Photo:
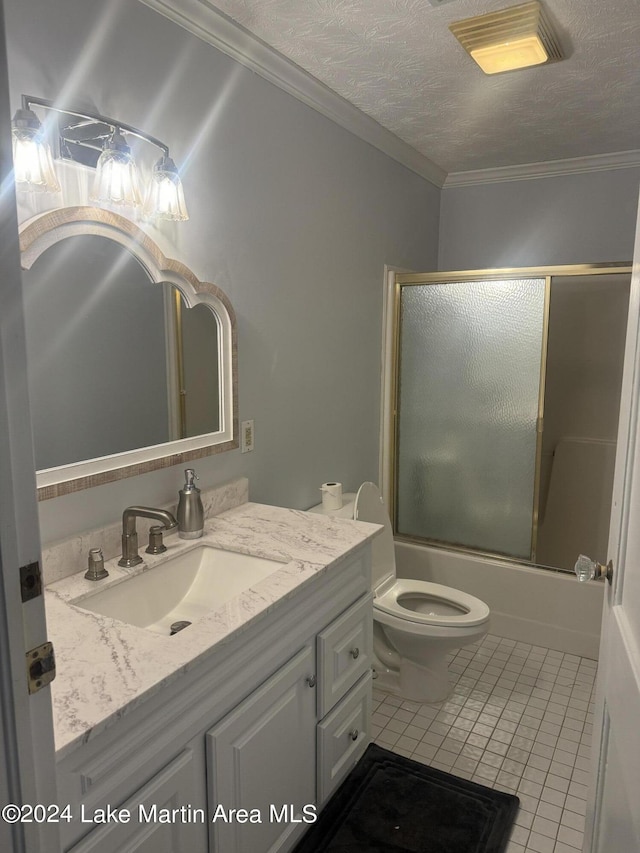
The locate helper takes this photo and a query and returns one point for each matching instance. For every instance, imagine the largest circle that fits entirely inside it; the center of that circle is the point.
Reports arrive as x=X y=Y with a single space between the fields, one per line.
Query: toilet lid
x=369 y=506
x=431 y=604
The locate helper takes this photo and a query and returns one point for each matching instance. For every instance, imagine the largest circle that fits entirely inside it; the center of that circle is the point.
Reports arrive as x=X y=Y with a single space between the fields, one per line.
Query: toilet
x=416 y=623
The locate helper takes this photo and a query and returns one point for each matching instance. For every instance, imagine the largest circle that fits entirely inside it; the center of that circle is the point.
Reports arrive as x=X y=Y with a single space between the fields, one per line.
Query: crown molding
x=206 y=22
x=550 y=169
x=203 y=20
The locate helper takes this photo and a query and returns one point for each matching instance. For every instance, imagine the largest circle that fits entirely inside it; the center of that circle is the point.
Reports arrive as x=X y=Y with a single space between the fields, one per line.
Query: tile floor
x=520 y=720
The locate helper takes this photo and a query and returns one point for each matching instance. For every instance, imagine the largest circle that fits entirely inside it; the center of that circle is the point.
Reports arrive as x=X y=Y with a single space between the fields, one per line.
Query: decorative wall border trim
x=212 y=26
x=550 y=169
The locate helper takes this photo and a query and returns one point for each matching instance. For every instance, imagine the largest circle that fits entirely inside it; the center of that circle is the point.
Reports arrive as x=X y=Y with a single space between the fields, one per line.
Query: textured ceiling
x=397 y=61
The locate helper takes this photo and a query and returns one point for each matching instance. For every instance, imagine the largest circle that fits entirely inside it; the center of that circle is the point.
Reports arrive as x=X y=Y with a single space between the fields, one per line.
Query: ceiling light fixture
x=518 y=37
x=102 y=144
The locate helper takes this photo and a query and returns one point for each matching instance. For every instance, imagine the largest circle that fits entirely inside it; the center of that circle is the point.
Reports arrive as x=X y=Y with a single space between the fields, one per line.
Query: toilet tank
x=383 y=562
x=345 y=511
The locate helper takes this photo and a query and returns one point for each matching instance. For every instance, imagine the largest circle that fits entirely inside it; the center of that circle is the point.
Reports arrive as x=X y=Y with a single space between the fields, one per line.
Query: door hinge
x=30 y=581
x=41 y=667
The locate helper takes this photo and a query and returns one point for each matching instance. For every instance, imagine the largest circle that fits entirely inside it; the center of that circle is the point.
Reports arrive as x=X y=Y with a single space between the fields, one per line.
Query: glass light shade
x=116 y=180
x=516 y=53
x=165 y=198
x=32 y=159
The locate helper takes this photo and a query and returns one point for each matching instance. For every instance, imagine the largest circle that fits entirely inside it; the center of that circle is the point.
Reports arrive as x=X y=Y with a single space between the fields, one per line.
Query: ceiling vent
x=513 y=38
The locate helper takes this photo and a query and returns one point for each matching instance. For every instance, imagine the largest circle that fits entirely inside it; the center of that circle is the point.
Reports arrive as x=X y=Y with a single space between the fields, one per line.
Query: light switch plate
x=246 y=436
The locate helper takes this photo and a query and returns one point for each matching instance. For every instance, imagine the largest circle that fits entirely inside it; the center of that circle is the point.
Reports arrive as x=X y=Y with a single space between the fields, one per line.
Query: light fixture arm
x=28 y=101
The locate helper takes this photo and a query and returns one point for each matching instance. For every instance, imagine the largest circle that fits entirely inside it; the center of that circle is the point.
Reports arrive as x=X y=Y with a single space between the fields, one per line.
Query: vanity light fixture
x=116 y=180
x=32 y=159
x=100 y=143
x=518 y=37
x=165 y=194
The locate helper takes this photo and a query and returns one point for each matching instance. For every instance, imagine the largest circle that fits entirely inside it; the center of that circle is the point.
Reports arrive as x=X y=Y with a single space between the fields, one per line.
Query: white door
x=27 y=768
x=613 y=814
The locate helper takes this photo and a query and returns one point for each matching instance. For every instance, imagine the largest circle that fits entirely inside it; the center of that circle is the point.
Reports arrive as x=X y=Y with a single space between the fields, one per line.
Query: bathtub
x=529 y=605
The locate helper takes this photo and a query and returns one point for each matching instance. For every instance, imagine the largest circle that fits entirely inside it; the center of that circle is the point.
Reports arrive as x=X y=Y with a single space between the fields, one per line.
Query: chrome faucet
x=130 y=555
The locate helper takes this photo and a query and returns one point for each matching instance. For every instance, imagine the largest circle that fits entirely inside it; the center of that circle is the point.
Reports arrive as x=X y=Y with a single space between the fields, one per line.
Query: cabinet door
x=163 y=818
x=261 y=759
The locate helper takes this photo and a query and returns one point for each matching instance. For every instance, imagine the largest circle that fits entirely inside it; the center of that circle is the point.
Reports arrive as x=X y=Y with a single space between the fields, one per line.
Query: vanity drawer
x=344 y=653
x=343 y=736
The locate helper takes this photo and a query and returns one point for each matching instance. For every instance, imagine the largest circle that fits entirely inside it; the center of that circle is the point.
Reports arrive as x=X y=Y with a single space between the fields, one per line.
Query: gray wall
x=567 y=219
x=290 y=214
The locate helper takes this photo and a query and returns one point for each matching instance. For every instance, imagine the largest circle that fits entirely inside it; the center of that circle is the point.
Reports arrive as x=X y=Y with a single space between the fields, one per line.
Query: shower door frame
x=392 y=346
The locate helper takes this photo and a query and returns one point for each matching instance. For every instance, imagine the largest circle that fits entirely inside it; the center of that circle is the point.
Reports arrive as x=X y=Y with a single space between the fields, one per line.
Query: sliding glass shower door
x=469 y=376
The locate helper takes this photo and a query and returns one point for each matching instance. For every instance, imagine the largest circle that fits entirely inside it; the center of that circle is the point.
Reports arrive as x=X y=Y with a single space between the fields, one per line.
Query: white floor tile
x=519 y=719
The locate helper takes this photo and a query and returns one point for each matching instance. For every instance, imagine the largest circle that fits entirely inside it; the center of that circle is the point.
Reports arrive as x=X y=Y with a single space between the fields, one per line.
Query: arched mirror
x=132 y=361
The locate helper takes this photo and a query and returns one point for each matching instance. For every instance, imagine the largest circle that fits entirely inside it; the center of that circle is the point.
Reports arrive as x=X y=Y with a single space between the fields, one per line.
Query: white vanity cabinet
x=238 y=754
x=342 y=737
x=284 y=749
x=146 y=822
x=262 y=758
x=345 y=649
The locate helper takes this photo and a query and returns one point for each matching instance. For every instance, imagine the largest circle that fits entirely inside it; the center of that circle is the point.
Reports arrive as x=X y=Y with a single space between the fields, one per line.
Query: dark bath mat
x=391 y=804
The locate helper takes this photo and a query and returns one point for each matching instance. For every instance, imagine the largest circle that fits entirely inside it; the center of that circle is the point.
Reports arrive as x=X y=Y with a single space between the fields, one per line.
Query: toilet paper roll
x=331 y=495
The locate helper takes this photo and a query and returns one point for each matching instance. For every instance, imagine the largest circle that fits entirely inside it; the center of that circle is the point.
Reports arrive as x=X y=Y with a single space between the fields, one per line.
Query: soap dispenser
x=190 y=509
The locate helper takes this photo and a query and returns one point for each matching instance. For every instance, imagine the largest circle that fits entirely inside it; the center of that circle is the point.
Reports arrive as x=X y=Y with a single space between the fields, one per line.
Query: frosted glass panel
x=470 y=356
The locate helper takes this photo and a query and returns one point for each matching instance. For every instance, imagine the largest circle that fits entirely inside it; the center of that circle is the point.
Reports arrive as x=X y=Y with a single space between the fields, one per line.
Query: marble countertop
x=103 y=665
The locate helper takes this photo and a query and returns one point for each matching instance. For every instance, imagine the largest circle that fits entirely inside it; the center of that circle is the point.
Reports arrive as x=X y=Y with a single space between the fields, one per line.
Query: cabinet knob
x=354 y=734
x=312 y=680
x=355 y=653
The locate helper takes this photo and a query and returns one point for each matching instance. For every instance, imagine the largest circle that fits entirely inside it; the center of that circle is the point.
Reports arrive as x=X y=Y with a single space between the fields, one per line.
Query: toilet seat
x=440 y=604
x=416 y=624
x=425 y=603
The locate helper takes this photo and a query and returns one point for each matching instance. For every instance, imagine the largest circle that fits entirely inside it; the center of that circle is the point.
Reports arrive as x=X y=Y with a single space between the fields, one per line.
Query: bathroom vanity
x=229 y=735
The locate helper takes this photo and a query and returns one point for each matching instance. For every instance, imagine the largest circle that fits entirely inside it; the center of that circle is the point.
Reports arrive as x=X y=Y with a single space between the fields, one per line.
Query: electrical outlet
x=246 y=440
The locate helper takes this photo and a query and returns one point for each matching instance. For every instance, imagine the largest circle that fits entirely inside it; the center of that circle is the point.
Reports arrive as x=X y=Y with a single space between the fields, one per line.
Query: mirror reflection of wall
x=199 y=341
x=102 y=355
x=471 y=468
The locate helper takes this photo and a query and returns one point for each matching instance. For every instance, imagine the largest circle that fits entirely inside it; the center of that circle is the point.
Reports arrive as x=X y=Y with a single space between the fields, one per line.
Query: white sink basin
x=183 y=588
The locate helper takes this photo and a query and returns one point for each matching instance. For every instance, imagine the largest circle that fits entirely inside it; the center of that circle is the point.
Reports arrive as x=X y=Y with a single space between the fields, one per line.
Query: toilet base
x=427 y=685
